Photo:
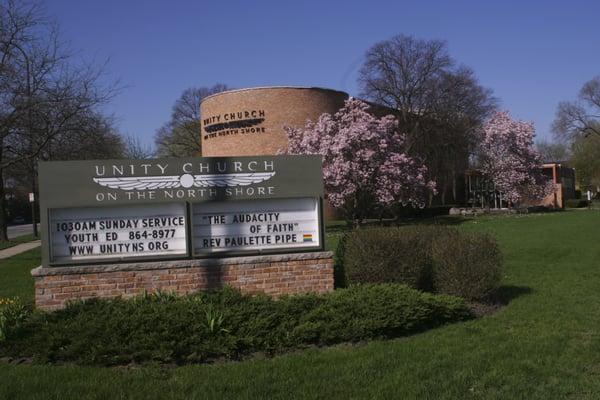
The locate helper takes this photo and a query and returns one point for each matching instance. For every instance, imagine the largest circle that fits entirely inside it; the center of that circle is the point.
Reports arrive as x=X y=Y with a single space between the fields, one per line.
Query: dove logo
x=184 y=181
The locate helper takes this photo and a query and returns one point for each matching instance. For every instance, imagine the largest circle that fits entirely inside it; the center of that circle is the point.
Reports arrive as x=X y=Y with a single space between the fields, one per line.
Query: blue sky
x=531 y=54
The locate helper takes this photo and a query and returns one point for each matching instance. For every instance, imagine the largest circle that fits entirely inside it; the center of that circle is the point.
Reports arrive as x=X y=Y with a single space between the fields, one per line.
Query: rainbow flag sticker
x=307 y=237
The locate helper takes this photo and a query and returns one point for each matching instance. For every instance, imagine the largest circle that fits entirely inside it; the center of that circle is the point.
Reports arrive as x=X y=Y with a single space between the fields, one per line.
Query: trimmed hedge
x=466 y=264
x=225 y=324
x=425 y=257
x=405 y=212
x=379 y=255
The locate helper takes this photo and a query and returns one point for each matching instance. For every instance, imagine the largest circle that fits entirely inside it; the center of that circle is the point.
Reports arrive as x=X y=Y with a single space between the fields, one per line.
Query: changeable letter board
x=256 y=225
x=118 y=232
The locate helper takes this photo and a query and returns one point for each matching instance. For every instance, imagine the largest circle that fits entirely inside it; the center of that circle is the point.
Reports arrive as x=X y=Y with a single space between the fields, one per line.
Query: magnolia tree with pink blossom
x=509 y=160
x=364 y=164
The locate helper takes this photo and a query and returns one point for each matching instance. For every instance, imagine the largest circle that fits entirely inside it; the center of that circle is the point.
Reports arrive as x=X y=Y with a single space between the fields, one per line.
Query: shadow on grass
x=508 y=293
x=503 y=296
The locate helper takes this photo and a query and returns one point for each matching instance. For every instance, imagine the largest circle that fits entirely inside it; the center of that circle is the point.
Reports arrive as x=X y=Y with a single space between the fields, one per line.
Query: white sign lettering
x=252 y=225
x=117 y=232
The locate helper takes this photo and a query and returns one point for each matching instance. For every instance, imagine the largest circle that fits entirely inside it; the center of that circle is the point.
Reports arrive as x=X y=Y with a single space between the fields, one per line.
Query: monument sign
x=128 y=210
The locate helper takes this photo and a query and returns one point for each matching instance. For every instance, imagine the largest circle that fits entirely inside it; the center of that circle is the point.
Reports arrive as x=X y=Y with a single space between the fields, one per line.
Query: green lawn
x=15 y=279
x=17 y=240
x=545 y=344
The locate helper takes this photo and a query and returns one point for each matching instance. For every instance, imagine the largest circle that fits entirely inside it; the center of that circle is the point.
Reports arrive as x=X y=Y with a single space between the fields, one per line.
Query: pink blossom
x=510 y=161
x=363 y=158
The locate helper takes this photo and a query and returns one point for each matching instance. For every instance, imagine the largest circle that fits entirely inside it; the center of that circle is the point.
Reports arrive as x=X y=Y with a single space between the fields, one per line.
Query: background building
x=251 y=122
x=563 y=178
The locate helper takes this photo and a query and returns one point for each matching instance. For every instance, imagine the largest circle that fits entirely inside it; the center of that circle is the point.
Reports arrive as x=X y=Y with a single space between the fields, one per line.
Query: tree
x=44 y=99
x=135 y=149
x=509 y=160
x=91 y=135
x=552 y=151
x=440 y=106
x=180 y=137
x=580 y=118
x=586 y=161
x=401 y=73
x=95 y=138
x=364 y=164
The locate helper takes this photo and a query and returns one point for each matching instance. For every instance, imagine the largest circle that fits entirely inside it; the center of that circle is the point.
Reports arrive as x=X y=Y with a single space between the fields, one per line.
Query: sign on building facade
x=132 y=210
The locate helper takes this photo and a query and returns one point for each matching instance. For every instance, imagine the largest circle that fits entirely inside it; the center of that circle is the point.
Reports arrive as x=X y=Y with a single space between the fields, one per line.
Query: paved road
x=20 y=230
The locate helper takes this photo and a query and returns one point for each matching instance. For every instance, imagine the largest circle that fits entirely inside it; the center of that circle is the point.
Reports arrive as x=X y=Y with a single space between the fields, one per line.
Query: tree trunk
x=443 y=196
x=35 y=197
x=454 y=188
x=444 y=191
x=3 y=219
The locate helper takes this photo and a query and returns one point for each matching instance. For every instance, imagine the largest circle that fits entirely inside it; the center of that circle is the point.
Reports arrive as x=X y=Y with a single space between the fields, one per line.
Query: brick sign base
x=275 y=275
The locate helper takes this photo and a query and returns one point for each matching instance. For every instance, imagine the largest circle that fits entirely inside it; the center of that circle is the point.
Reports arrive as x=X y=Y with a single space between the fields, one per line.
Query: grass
x=15 y=276
x=545 y=344
x=17 y=240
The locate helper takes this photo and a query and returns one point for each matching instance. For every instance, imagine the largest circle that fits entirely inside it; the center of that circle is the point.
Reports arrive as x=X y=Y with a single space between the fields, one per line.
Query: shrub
x=426 y=257
x=401 y=255
x=13 y=313
x=466 y=264
x=409 y=211
x=370 y=311
x=339 y=272
x=575 y=203
x=225 y=324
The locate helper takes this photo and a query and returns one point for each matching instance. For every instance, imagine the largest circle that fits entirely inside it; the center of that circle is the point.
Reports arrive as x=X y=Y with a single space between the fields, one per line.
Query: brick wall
x=274 y=274
x=283 y=106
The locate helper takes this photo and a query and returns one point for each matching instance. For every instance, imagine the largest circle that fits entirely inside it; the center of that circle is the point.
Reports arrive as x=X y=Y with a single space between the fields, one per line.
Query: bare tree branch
x=46 y=97
x=180 y=137
x=440 y=106
x=577 y=119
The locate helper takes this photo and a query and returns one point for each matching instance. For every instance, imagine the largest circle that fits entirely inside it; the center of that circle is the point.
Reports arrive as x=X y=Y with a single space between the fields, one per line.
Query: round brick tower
x=249 y=122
